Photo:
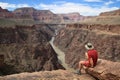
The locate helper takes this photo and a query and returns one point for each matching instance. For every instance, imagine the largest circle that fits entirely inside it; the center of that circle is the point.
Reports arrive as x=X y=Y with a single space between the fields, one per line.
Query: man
x=91 y=58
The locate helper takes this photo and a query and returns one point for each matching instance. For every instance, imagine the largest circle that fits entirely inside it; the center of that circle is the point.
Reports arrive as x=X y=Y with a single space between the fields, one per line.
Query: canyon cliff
x=38 y=15
x=27 y=48
x=4 y=13
x=48 y=75
x=71 y=17
x=111 y=13
x=105 y=18
x=105 y=38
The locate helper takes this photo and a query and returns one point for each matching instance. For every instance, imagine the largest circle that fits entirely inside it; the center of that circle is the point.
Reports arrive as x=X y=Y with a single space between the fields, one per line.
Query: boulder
x=106 y=70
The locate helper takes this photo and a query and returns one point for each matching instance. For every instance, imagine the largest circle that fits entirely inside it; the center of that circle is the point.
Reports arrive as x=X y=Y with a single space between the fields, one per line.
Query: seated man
x=91 y=58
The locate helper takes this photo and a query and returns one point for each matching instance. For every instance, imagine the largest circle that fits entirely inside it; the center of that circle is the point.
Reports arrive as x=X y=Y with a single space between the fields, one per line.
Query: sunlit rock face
x=4 y=13
x=111 y=13
x=48 y=75
x=106 y=70
x=38 y=15
x=73 y=38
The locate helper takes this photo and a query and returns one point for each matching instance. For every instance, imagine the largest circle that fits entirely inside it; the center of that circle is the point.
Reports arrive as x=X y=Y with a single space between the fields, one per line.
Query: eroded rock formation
x=106 y=70
x=48 y=75
x=27 y=48
x=4 y=13
x=111 y=13
x=72 y=41
x=30 y=14
x=38 y=15
x=71 y=17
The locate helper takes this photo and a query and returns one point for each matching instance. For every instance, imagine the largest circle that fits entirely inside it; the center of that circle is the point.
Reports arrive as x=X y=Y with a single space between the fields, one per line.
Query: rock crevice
x=27 y=48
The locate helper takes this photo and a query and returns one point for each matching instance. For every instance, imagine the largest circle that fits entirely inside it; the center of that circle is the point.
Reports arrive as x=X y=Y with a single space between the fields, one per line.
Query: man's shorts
x=86 y=63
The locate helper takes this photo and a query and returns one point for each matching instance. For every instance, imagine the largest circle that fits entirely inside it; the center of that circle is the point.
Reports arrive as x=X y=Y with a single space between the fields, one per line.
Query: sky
x=84 y=7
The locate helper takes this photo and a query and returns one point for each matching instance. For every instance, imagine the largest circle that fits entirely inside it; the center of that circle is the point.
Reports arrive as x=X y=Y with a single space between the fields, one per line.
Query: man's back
x=94 y=55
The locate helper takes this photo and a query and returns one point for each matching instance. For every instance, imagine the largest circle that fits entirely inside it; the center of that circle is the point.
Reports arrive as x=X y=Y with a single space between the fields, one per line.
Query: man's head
x=89 y=46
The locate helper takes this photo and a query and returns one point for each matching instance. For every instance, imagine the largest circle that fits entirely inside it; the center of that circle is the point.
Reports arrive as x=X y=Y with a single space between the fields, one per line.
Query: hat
x=89 y=46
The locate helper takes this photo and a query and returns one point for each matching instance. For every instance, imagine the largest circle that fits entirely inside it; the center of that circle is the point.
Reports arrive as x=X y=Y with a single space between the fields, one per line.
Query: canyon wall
x=4 y=13
x=105 y=38
x=45 y=16
x=31 y=15
x=27 y=48
x=111 y=13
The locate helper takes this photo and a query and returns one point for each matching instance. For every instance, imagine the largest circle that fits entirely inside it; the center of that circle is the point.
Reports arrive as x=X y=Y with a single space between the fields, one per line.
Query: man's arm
x=86 y=55
x=91 y=62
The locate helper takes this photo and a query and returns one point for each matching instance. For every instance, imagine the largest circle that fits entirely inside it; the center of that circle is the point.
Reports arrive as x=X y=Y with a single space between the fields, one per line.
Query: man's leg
x=81 y=65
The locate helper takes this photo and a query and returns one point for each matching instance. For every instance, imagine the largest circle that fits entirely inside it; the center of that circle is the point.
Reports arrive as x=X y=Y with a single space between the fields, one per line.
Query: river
x=61 y=56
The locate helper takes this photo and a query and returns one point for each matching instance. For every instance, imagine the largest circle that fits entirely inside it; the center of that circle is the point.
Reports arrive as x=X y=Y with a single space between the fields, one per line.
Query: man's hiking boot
x=78 y=72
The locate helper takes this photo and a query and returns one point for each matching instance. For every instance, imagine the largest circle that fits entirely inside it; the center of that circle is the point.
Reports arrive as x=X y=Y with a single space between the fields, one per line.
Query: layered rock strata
x=106 y=70
x=72 y=40
x=27 y=48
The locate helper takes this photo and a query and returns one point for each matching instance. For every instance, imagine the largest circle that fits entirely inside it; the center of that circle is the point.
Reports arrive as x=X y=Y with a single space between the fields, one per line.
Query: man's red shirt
x=94 y=55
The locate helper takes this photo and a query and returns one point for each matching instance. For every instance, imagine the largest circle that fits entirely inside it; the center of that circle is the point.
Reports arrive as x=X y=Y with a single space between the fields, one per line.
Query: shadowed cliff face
x=27 y=48
x=72 y=41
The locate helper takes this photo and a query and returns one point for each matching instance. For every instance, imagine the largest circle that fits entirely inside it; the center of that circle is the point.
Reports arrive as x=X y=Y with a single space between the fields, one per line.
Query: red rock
x=27 y=49
x=4 y=13
x=48 y=75
x=111 y=13
x=106 y=70
x=38 y=15
x=72 y=39
x=71 y=17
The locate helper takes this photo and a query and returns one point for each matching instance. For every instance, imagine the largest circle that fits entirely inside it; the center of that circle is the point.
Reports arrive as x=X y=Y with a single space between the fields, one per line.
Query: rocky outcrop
x=107 y=27
x=24 y=13
x=30 y=14
x=26 y=34
x=3 y=10
x=4 y=13
x=111 y=13
x=37 y=15
x=105 y=18
x=27 y=48
x=106 y=70
x=71 y=17
x=48 y=75
x=72 y=41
